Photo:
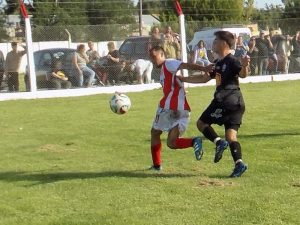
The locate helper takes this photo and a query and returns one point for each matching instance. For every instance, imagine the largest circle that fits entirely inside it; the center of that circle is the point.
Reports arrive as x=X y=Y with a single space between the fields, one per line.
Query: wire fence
x=107 y=55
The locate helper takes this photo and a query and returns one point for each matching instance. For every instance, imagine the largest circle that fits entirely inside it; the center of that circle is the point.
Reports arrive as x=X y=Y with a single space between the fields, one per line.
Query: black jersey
x=227 y=72
x=228 y=105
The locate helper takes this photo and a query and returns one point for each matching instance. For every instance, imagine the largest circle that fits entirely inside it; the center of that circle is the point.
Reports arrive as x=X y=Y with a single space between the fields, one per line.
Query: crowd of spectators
x=269 y=53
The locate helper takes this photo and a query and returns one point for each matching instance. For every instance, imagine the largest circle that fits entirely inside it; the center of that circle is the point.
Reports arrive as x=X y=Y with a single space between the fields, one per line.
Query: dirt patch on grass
x=215 y=182
x=57 y=148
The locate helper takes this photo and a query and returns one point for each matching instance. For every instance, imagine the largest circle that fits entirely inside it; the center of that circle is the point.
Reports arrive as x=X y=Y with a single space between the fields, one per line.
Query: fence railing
x=55 y=53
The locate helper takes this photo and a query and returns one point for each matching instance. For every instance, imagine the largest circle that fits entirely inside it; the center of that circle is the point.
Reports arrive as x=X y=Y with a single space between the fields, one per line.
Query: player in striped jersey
x=173 y=111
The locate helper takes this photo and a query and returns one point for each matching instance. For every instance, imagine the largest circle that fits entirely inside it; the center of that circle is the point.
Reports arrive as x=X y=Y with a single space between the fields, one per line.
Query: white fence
x=130 y=88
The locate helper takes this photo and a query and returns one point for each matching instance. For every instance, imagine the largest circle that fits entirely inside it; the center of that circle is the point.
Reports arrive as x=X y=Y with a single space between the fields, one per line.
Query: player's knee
x=155 y=133
x=200 y=125
x=171 y=144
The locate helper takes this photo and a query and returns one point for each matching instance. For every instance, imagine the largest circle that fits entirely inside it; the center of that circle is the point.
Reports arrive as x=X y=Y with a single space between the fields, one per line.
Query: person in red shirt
x=173 y=111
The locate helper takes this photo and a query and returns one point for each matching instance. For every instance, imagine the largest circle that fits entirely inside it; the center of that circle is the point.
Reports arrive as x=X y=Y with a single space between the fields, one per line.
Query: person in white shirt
x=143 y=68
x=200 y=54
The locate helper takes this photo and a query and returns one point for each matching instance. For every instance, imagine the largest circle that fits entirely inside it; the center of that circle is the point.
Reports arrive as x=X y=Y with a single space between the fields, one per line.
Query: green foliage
x=49 y=14
x=52 y=19
x=3 y=31
x=12 y=7
x=72 y=161
x=81 y=33
x=268 y=17
x=199 y=10
x=83 y=12
x=111 y=12
x=291 y=16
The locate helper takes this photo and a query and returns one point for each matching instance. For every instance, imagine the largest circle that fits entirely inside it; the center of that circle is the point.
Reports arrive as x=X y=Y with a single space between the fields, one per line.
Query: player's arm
x=191 y=66
x=203 y=78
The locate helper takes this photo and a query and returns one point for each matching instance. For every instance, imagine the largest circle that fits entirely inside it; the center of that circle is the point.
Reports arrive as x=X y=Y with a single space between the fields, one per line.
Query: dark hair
x=55 y=61
x=226 y=36
x=80 y=47
x=157 y=48
x=201 y=41
x=153 y=28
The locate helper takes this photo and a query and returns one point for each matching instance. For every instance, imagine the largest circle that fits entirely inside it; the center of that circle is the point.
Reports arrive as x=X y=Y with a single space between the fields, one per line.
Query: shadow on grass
x=48 y=177
x=266 y=135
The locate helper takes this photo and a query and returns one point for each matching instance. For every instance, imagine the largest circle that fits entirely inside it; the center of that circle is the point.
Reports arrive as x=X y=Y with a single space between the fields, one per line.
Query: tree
x=291 y=16
x=269 y=17
x=198 y=10
x=116 y=16
x=111 y=12
x=3 y=27
x=12 y=7
x=62 y=12
x=198 y=13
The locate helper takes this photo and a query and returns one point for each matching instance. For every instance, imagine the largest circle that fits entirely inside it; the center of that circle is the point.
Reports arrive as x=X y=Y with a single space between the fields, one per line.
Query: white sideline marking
x=129 y=88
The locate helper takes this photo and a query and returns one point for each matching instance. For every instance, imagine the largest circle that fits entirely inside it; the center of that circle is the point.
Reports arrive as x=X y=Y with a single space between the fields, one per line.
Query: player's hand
x=209 y=68
x=245 y=61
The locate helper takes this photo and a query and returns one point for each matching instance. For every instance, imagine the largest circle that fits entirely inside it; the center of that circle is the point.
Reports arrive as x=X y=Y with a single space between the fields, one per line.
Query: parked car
x=207 y=35
x=43 y=61
x=134 y=48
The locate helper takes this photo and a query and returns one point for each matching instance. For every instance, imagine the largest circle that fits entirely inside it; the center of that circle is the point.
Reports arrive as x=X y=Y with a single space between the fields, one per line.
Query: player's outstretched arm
x=203 y=78
x=192 y=66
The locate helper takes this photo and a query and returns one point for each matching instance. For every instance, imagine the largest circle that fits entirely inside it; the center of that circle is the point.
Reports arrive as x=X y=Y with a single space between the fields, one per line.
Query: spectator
x=171 y=44
x=282 y=47
x=200 y=54
x=57 y=77
x=92 y=54
x=2 y=67
x=263 y=53
x=85 y=74
x=143 y=68
x=272 y=66
x=253 y=54
x=94 y=64
x=295 y=54
x=155 y=38
x=240 y=48
x=12 y=66
x=114 y=65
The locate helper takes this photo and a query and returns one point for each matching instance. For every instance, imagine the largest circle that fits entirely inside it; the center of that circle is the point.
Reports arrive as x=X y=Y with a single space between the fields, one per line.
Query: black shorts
x=227 y=108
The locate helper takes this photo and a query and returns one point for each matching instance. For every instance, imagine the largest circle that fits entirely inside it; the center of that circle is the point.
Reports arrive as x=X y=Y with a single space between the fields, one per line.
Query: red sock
x=184 y=142
x=155 y=151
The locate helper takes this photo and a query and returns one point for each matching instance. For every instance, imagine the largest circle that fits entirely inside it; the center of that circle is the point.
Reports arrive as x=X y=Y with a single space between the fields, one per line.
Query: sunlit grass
x=72 y=161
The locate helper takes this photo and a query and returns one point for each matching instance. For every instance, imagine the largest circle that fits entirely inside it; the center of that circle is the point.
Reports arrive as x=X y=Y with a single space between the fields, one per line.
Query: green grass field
x=71 y=161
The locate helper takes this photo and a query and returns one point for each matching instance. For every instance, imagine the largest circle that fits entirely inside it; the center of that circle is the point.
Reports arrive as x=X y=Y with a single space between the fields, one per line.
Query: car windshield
x=58 y=55
x=126 y=48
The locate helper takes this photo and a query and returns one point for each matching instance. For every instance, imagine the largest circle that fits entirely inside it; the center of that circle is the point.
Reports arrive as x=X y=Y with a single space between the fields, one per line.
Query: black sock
x=210 y=133
x=236 y=150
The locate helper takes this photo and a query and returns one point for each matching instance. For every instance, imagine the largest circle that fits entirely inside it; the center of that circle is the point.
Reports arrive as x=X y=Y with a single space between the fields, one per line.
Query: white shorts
x=166 y=119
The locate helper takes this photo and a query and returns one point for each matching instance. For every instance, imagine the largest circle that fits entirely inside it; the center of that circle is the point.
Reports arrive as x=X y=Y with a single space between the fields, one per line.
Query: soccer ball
x=120 y=103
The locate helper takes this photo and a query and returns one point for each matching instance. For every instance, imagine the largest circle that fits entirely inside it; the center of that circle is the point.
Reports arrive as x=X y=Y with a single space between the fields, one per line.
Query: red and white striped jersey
x=173 y=89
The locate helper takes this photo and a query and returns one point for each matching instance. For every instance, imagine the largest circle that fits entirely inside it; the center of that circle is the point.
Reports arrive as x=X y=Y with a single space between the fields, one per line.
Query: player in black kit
x=227 y=107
